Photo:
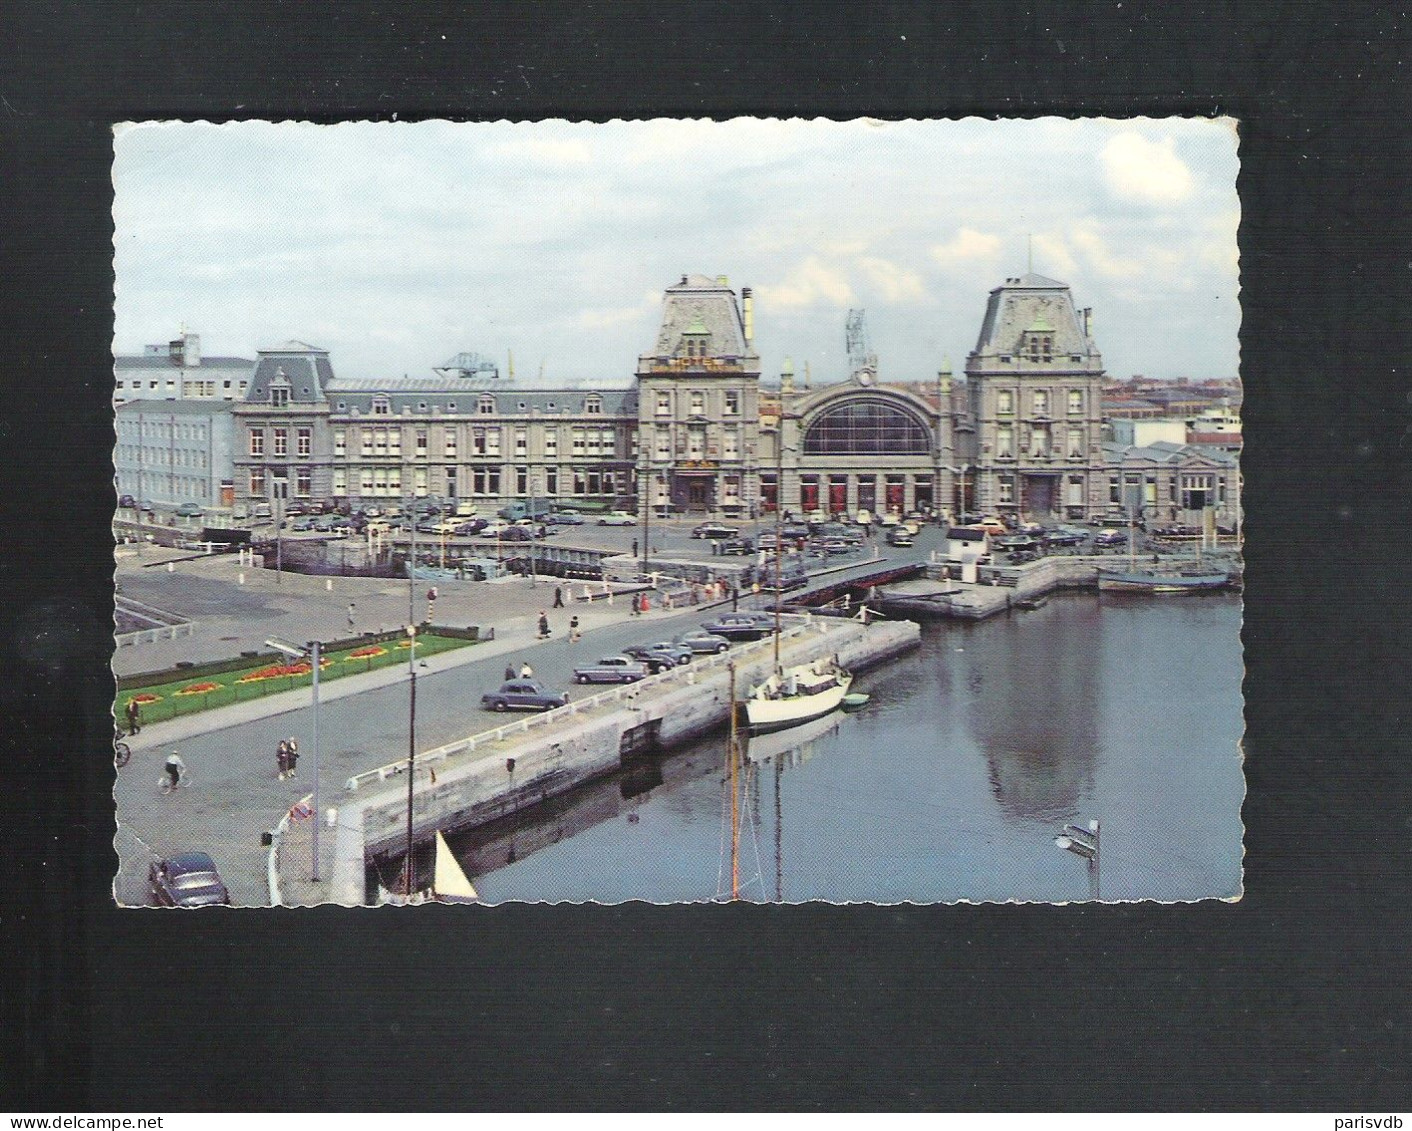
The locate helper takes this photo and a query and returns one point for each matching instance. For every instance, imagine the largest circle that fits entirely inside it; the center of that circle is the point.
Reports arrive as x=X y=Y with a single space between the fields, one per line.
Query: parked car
x=679 y=653
x=1065 y=536
x=899 y=536
x=303 y=522
x=495 y=528
x=188 y=879
x=1110 y=538
x=841 y=530
x=564 y=518
x=517 y=534
x=514 y=512
x=767 y=541
x=831 y=547
x=738 y=546
x=714 y=530
x=472 y=526
x=127 y=501
x=522 y=695
x=795 y=530
x=618 y=518
x=1017 y=543
x=612 y=669
x=656 y=659
x=189 y=510
x=739 y=626
x=701 y=641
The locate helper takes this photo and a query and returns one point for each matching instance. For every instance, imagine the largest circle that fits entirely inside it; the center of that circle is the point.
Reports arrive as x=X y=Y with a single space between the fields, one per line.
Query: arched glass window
x=866 y=427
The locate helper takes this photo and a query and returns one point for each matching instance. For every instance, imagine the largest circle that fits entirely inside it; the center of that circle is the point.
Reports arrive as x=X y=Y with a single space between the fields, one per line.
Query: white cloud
x=812 y=283
x=968 y=247
x=895 y=283
x=1145 y=172
x=556 y=152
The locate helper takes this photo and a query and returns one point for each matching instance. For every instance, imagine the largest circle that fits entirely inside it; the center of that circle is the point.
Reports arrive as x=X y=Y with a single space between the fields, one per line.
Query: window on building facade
x=257 y=441
x=1039 y=443
x=382 y=406
x=664 y=443
x=492 y=441
x=522 y=481
x=695 y=443
x=1005 y=403
x=866 y=427
x=551 y=480
x=367 y=441
x=257 y=482
x=1198 y=491
x=1041 y=402
x=340 y=443
x=486 y=406
x=521 y=443
x=303 y=482
x=420 y=444
x=380 y=442
x=478 y=441
x=732 y=402
x=1076 y=443
x=1149 y=491
x=595 y=441
x=394 y=443
x=577 y=438
x=698 y=403
x=1076 y=402
x=1075 y=494
x=593 y=406
x=1005 y=443
x=664 y=404
x=279 y=395
x=281 y=441
x=448 y=443
x=730 y=490
x=1005 y=489
x=419 y=480
x=365 y=481
x=1115 y=491
x=730 y=444
x=340 y=481
x=551 y=443
x=304 y=442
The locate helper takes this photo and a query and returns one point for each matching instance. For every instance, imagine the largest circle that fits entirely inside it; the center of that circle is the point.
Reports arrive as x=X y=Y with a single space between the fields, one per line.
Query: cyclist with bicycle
x=175 y=769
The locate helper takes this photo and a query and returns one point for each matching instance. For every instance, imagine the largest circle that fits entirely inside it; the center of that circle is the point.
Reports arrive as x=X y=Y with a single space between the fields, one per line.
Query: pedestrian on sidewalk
x=282 y=759
x=134 y=711
x=509 y=672
x=558 y=597
x=574 y=632
x=526 y=672
x=350 y=616
x=543 y=625
x=634 y=547
x=293 y=756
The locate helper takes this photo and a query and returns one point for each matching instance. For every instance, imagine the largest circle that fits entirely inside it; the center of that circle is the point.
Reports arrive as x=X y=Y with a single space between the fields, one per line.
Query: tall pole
x=533 y=519
x=318 y=813
x=647 y=514
x=779 y=530
x=411 y=751
x=412 y=565
x=732 y=753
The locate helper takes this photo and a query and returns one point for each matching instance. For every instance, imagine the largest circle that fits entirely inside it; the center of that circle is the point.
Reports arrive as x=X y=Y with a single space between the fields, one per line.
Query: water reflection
x=1033 y=701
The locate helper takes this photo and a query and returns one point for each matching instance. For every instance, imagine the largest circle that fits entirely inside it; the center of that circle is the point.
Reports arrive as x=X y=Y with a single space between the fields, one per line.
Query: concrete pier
x=495 y=773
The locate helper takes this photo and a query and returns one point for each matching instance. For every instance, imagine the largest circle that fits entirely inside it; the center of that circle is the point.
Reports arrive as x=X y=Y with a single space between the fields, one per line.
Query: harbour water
x=951 y=784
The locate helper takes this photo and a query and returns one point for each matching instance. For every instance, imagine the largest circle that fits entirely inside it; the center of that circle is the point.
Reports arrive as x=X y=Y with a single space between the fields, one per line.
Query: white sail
x=449 y=883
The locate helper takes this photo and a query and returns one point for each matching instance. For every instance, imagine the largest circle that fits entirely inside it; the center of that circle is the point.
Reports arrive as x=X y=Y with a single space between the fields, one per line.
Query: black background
x=1295 y=997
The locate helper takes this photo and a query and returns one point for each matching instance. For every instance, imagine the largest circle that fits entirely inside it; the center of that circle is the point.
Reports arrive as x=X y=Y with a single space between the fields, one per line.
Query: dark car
x=842 y=530
x=303 y=522
x=189 y=510
x=677 y=653
x=832 y=546
x=714 y=530
x=472 y=526
x=795 y=530
x=517 y=534
x=188 y=879
x=1064 y=536
x=899 y=536
x=737 y=546
x=701 y=641
x=1110 y=538
x=655 y=659
x=1017 y=543
x=612 y=669
x=740 y=626
x=522 y=695
x=127 y=501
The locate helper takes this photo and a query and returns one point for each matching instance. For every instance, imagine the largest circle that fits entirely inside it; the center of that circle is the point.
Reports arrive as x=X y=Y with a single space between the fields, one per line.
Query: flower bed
x=367 y=653
x=145 y=697
x=203 y=688
x=282 y=671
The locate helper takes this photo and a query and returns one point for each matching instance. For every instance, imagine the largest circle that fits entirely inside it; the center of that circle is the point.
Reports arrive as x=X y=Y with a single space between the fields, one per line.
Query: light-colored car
x=612 y=669
x=618 y=518
x=522 y=695
x=496 y=528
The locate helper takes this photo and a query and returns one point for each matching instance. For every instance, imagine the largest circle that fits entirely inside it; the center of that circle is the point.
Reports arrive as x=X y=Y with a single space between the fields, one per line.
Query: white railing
x=686 y=673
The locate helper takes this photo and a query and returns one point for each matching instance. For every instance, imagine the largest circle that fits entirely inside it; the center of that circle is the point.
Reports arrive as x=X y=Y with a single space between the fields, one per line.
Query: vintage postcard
x=677 y=511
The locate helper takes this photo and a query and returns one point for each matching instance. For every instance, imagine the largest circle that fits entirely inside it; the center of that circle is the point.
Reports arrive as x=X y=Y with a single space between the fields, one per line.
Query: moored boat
x=1161 y=581
x=796 y=695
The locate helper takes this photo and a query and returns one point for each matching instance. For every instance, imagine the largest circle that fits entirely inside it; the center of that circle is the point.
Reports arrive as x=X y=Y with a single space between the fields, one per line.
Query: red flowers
x=199 y=688
x=367 y=653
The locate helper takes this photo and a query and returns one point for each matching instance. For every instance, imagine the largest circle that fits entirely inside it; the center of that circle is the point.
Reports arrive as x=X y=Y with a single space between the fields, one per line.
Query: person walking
x=558 y=597
x=174 y=768
x=350 y=616
x=526 y=672
x=134 y=712
x=634 y=547
x=574 y=632
x=509 y=672
x=543 y=625
x=282 y=759
x=293 y=756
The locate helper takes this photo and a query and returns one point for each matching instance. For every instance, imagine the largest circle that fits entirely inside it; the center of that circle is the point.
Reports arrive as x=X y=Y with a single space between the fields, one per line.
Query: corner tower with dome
x=1035 y=381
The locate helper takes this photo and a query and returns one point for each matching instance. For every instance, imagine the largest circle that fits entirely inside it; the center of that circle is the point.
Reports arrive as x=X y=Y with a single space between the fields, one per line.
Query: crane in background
x=470 y=367
x=861 y=358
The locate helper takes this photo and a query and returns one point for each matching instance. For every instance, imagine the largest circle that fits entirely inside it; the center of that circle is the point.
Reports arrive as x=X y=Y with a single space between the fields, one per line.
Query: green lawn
x=169 y=701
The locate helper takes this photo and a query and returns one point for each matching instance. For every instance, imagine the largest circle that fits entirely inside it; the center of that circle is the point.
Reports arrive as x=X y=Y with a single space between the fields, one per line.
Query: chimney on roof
x=747 y=302
x=191 y=350
x=683 y=281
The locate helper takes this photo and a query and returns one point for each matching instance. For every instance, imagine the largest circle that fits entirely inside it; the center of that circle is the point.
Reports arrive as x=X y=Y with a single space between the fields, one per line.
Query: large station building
x=697 y=431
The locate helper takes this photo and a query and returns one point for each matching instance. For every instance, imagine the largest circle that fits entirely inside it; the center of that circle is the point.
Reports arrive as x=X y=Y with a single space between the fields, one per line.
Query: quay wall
x=529 y=760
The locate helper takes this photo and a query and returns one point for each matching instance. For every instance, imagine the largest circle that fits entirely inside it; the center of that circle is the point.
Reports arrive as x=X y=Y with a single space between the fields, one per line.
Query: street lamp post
x=311 y=650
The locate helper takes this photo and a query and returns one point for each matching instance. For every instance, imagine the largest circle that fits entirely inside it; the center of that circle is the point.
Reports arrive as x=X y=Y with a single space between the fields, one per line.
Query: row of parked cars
x=636 y=662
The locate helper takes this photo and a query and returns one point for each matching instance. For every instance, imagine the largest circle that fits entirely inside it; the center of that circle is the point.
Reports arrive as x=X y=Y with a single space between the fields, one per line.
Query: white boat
x=449 y=883
x=777 y=744
x=796 y=695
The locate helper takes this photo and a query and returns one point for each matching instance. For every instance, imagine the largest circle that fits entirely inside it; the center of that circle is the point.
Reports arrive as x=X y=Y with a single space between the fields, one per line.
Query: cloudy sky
x=396 y=246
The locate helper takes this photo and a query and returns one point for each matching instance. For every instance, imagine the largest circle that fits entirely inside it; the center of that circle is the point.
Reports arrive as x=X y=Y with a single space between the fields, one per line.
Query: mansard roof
x=696 y=305
x=305 y=367
x=439 y=394
x=1034 y=303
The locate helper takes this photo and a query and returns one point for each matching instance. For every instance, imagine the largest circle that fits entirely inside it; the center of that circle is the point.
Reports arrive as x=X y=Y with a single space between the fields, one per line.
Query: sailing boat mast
x=733 y=757
x=779 y=529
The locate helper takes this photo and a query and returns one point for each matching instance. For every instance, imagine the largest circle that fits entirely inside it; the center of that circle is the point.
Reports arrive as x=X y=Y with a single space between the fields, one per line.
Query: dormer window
x=486 y=407
x=695 y=340
x=593 y=406
x=279 y=389
x=382 y=405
